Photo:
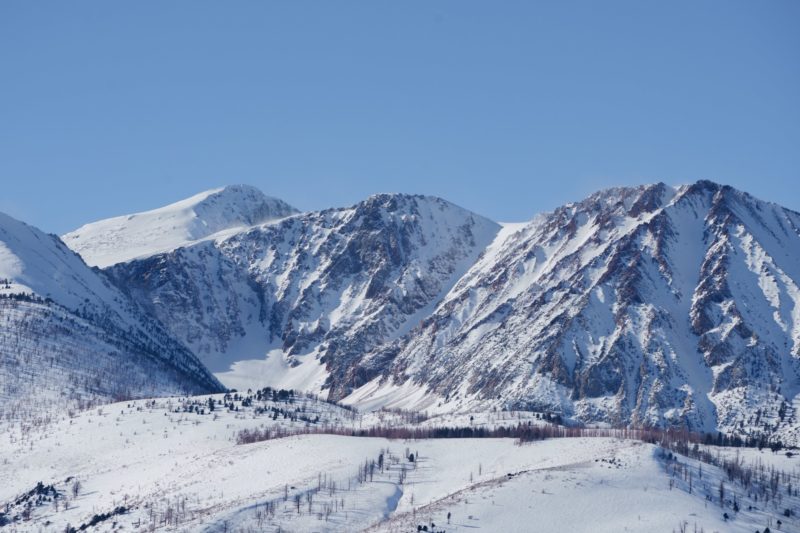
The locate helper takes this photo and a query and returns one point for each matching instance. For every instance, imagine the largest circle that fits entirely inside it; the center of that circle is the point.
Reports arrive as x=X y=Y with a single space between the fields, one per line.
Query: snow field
x=175 y=469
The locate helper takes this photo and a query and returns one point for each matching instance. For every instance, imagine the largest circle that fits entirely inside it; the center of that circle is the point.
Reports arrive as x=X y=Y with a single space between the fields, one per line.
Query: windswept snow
x=119 y=239
x=651 y=305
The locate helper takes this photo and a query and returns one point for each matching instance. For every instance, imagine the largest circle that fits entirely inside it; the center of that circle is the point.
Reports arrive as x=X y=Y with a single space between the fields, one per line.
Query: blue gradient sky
x=506 y=108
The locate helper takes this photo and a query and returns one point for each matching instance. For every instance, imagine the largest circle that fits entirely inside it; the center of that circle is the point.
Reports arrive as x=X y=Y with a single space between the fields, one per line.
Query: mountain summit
x=115 y=240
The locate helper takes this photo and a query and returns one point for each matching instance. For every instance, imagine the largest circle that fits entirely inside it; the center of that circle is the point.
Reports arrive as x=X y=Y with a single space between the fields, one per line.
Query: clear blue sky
x=506 y=108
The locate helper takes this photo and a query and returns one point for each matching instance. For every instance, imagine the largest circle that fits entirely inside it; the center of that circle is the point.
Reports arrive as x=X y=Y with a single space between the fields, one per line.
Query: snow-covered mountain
x=317 y=291
x=69 y=336
x=123 y=238
x=648 y=305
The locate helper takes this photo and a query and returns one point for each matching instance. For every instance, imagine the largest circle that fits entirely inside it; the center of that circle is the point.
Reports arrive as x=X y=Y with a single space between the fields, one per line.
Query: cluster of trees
x=275 y=403
x=21 y=508
x=167 y=513
x=684 y=437
x=758 y=484
x=25 y=297
x=96 y=519
x=276 y=395
x=526 y=432
x=758 y=440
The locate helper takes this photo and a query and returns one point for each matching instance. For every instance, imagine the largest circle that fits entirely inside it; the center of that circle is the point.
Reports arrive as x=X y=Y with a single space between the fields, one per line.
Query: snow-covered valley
x=172 y=464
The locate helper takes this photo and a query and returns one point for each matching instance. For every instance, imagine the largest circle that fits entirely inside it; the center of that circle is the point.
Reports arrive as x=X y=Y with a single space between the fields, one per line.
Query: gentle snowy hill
x=173 y=465
x=299 y=302
x=647 y=305
x=123 y=238
x=69 y=336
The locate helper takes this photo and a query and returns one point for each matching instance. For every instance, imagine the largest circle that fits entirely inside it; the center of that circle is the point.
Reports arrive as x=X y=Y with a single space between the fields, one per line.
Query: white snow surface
x=123 y=238
x=179 y=470
x=264 y=306
x=40 y=264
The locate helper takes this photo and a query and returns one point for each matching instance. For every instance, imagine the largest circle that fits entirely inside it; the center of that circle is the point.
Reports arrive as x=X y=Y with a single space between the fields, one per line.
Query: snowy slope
x=175 y=469
x=299 y=301
x=69 y=336
x=123 y=238
x=648 y=305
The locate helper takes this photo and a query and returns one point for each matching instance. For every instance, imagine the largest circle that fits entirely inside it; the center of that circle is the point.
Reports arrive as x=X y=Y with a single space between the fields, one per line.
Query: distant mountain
x=69 y=336
x=123 y=238
x=651 y=305
x=317 y=291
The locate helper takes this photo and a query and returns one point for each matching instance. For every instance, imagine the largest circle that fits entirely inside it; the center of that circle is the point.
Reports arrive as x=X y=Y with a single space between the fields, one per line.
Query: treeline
x=25 y=297
x=522 y=432
x=288 y=404
x=280 y=395
x=683 y=438
x=677 y=439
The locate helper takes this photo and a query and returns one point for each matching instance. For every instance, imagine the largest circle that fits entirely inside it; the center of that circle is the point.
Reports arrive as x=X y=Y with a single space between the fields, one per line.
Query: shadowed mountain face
x=650 y=305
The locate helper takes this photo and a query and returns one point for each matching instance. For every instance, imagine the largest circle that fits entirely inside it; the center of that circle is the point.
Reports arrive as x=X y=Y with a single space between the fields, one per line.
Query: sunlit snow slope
x=647 y=305
x=123 y=238
x=166 y=465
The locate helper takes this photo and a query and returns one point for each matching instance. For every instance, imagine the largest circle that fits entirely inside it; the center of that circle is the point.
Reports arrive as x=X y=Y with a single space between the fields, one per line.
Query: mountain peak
x=392 y=200
x=114 y=240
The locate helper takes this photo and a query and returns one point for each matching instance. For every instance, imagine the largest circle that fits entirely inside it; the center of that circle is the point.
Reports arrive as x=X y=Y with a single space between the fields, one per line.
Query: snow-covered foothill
x=175 y=464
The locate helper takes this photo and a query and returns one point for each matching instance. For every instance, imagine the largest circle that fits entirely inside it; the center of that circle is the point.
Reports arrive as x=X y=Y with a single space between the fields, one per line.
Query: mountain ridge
x=637 y=305
x=671 y=339
x=312 y=283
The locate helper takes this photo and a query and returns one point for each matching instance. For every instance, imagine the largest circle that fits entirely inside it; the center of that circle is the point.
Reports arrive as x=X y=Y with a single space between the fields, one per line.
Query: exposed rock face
x=647 y=305
x=650 y=305
x=334 y=284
